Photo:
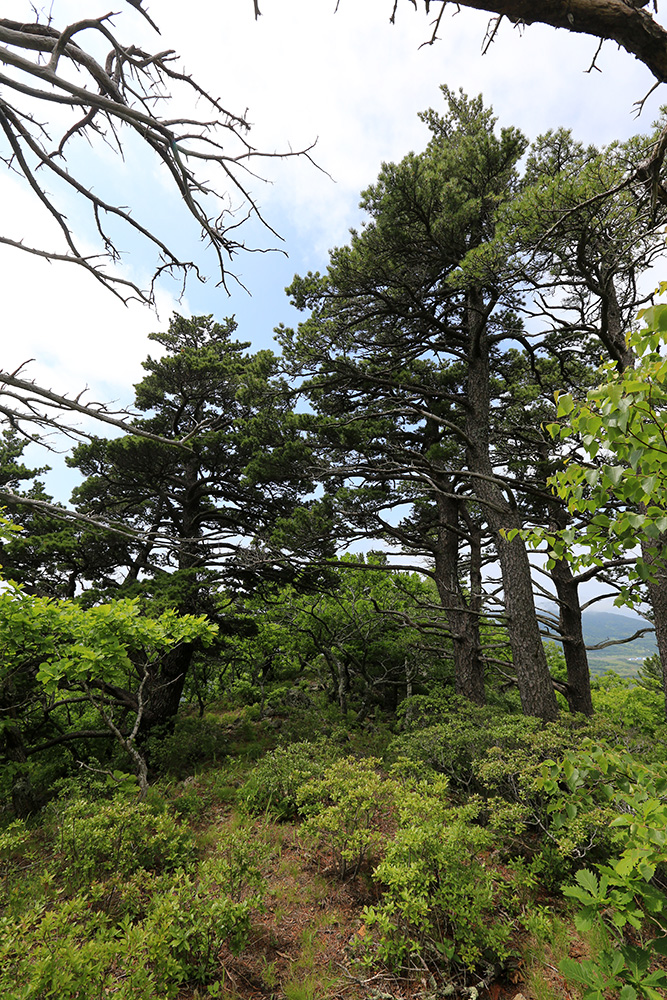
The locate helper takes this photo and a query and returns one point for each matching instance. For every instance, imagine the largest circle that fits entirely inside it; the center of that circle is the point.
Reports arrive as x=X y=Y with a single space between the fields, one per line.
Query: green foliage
x=97 y=839
x=629 y=705
x=459 y=744
x=624 y=496
x=193 y=741
x=623 y=896
x=274 y=784
x=345 y=808
x=235 y=866
x=187 y=928
x=81 y=670
x=353 y=634
x=122 y=907
x=237 y=463
x=71 y=952
x=442 y=901
x=650 y=673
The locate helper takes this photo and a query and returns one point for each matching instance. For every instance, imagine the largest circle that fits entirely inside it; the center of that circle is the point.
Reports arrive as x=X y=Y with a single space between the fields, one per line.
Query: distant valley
x=625 y=659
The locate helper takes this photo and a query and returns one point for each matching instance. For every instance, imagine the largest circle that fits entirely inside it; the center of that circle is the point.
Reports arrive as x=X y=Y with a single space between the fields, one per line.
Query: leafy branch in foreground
x=69 y=675
x=625 y=894
x=621 y=481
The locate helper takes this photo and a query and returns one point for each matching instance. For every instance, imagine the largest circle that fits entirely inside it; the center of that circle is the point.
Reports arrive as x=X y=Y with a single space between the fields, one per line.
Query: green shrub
x=455 y=745
x=186 y=929
x=274 y=783
x=96 y=839
x=442 y=901
x=344 y=810
x=194 y=741
x=65 y=952
x=244 y=692
x=135 y=936
x=73 y=953
x=198 y=796
x=235 y=867
x=623 y=895
x=629 y=705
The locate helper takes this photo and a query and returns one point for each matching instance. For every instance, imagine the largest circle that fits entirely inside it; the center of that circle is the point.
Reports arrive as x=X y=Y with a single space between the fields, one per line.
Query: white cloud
x=352 y=80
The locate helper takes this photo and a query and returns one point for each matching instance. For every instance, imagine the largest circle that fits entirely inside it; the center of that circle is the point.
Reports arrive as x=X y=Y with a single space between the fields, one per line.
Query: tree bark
x=619 y=21
x=654 y=553
x=463 y=624
x=528 y=657
x=578 y=692
x=164 y=688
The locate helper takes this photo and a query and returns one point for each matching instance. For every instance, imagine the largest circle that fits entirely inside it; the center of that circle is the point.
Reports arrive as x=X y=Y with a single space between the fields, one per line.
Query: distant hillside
x=625 y=659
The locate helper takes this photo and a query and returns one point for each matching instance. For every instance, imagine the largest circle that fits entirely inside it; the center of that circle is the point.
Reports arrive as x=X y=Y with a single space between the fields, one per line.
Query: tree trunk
x=657 y=591
x=462 y=622
x=528 y=657
x=165 y=688
x=574 y=648
x=621 y=21
x=23 y=795
x=654 y=553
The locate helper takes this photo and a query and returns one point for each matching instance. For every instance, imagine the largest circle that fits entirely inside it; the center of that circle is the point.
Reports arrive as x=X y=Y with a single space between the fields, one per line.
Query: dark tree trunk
x=165 y=688
x=528 y=657
x=655 y=556
x=578 y=692
x=613 y=327
x=23 y=796
x=462 y=622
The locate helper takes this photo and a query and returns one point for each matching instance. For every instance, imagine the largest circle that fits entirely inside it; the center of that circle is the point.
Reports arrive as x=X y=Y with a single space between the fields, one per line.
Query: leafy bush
x=630 y=706
x=120 y=837
x=274 y=783
x=194 y=741
x=65 y=952
x=344 y=809
x=624 y=895
x=453 y=746
x=188 y=926
x=441 y=901
x=73 y=953
x=243 y=692
x=136 y=935
x=235 y=867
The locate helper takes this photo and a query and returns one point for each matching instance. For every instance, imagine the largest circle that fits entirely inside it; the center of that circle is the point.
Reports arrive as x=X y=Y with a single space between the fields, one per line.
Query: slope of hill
x=605 y=626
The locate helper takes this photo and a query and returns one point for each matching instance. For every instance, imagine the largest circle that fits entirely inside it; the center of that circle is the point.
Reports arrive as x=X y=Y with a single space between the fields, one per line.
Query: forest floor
x=307 y=940
x=311 y=936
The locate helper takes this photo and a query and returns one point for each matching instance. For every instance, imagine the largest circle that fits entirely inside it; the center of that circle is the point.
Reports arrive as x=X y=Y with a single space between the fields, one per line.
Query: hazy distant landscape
x=625 y=659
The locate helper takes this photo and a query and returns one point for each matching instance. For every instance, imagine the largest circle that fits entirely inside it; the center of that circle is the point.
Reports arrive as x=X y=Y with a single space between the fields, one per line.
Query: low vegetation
x=469 y=852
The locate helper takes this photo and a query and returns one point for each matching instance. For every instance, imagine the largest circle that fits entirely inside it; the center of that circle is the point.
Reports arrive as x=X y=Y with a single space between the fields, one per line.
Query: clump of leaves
x=442 y=901
x=622 y=895
x=274 y=783
x=121 y=837
x=137 y=935
x=193 y=741
x=345 y=809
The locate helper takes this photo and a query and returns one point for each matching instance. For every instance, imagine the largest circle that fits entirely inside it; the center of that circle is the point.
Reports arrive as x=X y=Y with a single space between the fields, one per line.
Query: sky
x=350 y=81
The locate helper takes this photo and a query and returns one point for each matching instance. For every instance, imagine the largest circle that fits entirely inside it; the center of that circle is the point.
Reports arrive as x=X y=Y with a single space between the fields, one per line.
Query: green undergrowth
x=470 y=846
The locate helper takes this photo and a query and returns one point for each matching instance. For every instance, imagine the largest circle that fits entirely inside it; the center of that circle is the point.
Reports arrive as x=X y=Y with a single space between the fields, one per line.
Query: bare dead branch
x=45 y=408
x=594 y=64
x=108 y=100
x=626 y=23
